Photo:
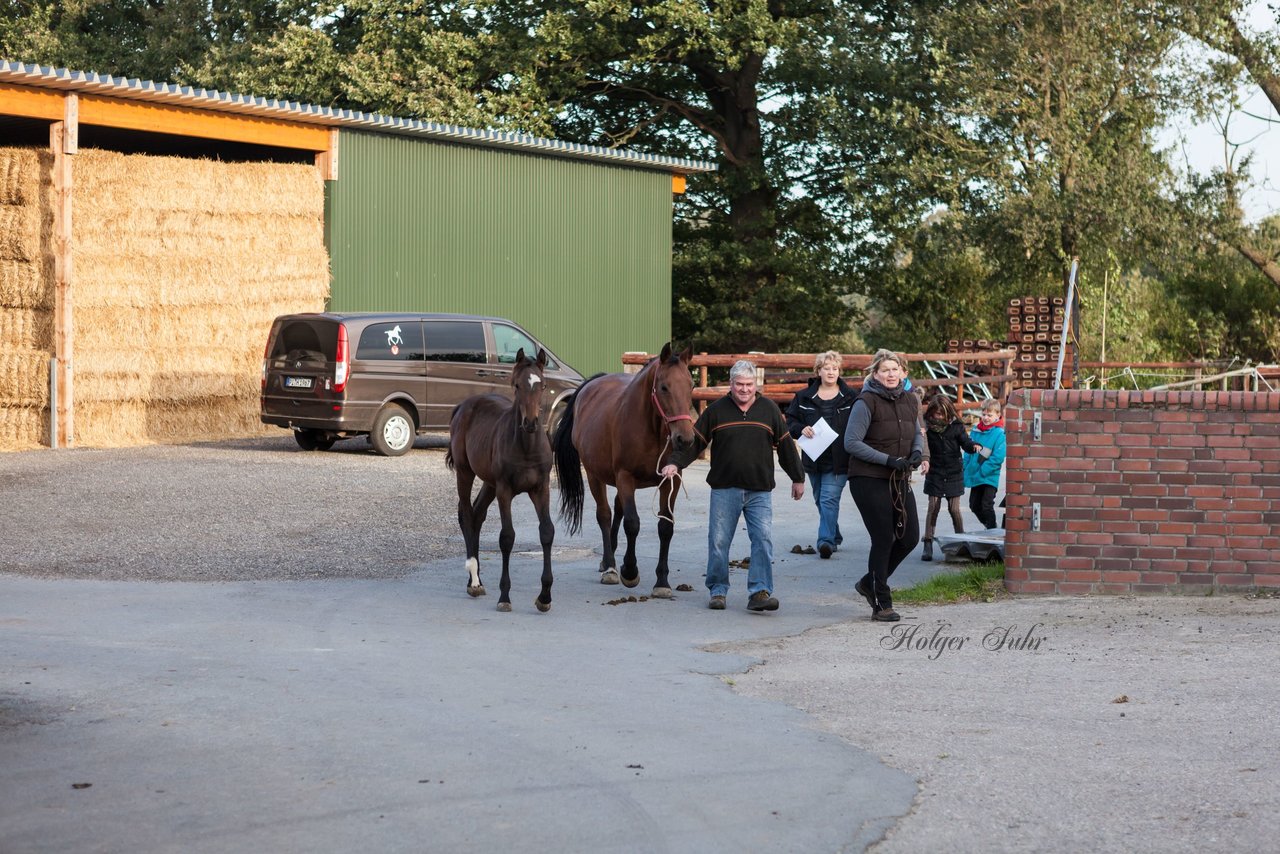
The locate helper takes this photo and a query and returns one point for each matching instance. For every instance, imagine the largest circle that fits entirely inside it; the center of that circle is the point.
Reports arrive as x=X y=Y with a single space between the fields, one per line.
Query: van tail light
x=342 y=357
x=266 y=352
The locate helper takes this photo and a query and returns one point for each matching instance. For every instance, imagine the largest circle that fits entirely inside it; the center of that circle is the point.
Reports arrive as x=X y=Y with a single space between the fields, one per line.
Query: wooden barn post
x=64 y=142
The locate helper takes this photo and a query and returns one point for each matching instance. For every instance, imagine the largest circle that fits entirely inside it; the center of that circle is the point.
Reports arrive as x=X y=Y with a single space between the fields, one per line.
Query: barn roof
x=170 y=94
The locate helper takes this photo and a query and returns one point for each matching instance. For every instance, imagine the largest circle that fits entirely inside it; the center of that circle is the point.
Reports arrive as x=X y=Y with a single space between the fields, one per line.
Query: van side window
x=397 y=342
x=455 y=341
x=510 y=341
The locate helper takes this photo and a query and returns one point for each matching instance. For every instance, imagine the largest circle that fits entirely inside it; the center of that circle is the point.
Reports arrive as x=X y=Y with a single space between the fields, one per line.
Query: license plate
x=297 y=382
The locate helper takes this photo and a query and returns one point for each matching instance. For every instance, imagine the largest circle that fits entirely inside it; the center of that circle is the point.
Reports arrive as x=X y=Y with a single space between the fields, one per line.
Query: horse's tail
x=569 y=468
x=448 y=455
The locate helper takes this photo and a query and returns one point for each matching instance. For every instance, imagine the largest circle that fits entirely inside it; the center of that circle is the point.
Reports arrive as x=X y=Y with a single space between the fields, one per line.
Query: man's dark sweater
x=744 y=443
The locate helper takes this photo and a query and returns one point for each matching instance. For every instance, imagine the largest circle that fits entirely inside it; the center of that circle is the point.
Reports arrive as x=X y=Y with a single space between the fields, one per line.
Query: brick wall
x=1143 y=492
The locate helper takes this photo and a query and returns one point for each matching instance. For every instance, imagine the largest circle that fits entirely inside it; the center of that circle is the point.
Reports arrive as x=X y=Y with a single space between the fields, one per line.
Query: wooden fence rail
x=781 y=387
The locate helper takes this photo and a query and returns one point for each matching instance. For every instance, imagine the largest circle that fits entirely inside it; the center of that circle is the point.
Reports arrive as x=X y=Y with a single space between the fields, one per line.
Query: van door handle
x=488 y=373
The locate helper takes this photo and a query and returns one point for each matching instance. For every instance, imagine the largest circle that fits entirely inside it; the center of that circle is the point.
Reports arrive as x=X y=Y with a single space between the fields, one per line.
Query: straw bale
x=26 y=378
x=186 y=282
x=19 y=232
x=213 y=419
x=147 y=361
x=199 y=326
x=24 y=284
x=110 y=424
x=180 y=267
x=23 y=428
x=142 y=181
x=21 y=172
x=158 y=385
x=228 y=231
x=26 y=329
x=114 y=424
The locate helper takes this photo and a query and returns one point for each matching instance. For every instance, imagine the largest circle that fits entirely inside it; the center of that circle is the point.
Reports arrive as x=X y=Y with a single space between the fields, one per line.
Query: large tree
x=768 y=246
x=1040 y=149
x=1055 y=110
x=1212 y=202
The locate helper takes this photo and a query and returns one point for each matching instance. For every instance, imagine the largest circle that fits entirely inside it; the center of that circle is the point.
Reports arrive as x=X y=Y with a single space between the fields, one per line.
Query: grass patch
x=982 y=582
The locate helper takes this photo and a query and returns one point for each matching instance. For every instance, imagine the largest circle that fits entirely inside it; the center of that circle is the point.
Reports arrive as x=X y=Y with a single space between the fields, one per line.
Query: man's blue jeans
x=727 y=506
x=828 y=488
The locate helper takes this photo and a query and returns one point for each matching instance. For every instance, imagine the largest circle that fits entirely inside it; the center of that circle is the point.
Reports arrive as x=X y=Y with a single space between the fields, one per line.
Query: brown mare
x=622 y=428
x=502 y=443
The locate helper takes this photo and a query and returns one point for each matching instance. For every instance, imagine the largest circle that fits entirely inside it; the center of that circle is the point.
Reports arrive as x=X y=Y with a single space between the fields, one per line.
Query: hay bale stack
x=26 y=296
x=180 y=267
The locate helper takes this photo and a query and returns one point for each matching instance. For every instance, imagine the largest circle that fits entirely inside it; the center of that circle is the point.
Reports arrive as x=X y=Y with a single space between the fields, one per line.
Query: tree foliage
x=1211 y=203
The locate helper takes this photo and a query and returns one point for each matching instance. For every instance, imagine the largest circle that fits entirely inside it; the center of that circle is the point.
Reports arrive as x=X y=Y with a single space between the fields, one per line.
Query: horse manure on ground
x=684 y=588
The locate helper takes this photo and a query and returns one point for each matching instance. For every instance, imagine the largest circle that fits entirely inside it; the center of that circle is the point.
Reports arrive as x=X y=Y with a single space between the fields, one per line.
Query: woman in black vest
x=884 y=444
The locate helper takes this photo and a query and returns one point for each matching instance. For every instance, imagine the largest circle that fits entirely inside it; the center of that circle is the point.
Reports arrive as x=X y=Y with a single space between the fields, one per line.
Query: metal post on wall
x=1066 y=322
x=53 y=402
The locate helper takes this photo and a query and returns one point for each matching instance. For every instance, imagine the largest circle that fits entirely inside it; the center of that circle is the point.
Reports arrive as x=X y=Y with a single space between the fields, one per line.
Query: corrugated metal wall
x=579 y=253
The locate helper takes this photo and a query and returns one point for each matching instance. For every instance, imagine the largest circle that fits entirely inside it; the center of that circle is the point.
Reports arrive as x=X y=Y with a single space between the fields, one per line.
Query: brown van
x=391 y=376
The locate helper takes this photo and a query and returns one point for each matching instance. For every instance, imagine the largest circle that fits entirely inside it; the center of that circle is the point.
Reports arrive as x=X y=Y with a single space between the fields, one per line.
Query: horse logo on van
x=393 y=336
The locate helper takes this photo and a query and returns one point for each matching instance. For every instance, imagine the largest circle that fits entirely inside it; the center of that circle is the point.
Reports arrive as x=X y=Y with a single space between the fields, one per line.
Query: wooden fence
x=1221 y=375
x=781 y=375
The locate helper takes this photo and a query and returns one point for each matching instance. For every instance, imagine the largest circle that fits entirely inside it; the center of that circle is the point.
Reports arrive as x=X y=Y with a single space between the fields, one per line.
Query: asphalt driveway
x=244 y=647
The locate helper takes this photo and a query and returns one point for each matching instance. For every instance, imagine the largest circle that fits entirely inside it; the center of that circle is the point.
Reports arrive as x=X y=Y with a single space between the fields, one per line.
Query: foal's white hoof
x=609 y=576
x=478 y=590
x=661 y=593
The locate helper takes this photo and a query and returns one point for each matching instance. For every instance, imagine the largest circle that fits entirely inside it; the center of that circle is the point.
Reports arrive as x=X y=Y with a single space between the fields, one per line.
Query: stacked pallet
x=977 y=345
x=1035 y=333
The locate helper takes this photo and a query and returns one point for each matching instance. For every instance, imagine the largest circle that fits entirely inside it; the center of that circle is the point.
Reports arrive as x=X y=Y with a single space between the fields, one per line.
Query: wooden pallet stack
x=1035 y=332
x=976 y=345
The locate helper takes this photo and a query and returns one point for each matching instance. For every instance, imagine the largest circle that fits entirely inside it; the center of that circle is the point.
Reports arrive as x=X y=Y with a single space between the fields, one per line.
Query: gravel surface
x=1142 y=724
x=282 y=513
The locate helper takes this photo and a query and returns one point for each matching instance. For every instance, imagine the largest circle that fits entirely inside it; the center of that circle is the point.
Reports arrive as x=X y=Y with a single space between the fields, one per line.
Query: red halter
x=653 y=394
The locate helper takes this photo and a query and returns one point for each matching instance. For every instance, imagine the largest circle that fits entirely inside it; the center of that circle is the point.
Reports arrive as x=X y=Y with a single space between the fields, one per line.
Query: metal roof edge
x=230 y=102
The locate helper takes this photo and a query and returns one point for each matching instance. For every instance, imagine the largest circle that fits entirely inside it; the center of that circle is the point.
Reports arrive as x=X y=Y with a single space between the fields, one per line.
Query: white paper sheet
x=823 y=436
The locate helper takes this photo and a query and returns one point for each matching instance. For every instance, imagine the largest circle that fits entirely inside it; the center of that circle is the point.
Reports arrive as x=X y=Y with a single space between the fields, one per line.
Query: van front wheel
x=393 y=431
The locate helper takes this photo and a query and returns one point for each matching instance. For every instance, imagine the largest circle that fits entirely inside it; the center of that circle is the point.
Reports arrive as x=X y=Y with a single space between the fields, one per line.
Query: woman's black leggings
x=881 y=511
x=931 y=517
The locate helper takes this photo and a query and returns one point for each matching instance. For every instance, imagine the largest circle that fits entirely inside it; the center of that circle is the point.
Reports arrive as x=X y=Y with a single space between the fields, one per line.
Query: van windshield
x=306 y=340
x=509 y=341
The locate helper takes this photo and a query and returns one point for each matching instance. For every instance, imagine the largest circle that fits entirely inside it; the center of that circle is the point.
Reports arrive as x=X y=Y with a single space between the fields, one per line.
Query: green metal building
x=575 y=248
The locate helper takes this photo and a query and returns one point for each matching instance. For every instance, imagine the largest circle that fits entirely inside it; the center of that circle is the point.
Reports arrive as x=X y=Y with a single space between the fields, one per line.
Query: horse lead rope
x=897 y=497
x=676 y=486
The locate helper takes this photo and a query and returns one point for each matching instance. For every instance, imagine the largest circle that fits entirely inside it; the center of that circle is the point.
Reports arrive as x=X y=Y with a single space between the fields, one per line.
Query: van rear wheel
x=313 y=440
x=393 y=431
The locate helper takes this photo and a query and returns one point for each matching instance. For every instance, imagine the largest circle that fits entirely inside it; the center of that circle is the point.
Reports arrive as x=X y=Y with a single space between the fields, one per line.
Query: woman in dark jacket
x=884 y=444
x=947 y=437
x=827 y=398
